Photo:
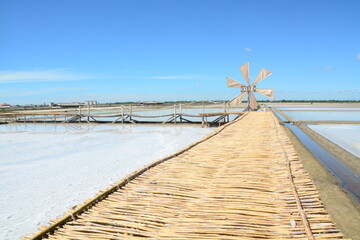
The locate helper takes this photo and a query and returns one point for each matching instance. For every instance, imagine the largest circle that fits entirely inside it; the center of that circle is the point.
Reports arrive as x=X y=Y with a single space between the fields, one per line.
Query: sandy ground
x=342 y=207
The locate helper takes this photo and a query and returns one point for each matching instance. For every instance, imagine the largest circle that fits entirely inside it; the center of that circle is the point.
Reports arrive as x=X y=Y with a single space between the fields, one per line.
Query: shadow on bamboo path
x=243 y=182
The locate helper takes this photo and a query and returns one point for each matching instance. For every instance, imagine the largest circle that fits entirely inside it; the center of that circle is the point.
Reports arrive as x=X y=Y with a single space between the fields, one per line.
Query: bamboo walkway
x=243 y=182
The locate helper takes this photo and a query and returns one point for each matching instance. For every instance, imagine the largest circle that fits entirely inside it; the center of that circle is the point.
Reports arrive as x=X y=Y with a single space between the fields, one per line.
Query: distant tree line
x=17 y=107
x=223 y=101
x=317 y=101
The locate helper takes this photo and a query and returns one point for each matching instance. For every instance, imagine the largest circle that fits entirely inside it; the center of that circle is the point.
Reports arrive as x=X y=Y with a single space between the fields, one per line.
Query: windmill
x=250 y=88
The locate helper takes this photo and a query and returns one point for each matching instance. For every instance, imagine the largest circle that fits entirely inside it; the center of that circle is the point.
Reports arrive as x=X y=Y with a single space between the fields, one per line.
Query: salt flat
x=320 y=109
x=46 y=169
x=324 y=115
x=346 y=136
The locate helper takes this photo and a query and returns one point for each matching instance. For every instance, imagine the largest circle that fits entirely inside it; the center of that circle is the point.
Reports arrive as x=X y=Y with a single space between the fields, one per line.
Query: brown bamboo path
x=245 y=182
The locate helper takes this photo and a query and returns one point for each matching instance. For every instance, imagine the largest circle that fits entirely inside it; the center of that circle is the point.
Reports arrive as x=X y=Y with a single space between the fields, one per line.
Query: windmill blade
x=244 y=69
x=253 y=104
x=262 y=75
x=267 y=92
x=231 y=83
x=237 y=101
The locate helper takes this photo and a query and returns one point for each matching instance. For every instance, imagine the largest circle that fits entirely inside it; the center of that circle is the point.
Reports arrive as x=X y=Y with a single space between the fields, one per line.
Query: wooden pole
x=88 y=113
x=174 y=113
x=130 y=111
x=122 y=114
x=180 y=106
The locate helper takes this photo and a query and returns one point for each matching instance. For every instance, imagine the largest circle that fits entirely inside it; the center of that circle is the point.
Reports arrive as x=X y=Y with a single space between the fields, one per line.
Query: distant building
x=5 y=105
x=90 y=103
x=73 y=104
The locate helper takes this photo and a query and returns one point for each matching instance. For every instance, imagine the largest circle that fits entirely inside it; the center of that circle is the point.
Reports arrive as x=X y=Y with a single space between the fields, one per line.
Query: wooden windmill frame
x=252 y=104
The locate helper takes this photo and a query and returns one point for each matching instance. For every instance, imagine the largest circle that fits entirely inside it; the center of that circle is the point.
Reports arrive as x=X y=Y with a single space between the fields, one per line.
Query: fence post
x=130 y=111
x=88 y=113
x=174 y=113
x=180 y=106
x=122 y=114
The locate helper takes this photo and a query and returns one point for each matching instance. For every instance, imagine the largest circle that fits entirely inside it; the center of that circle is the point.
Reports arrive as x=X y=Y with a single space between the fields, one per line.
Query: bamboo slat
x=244 y=182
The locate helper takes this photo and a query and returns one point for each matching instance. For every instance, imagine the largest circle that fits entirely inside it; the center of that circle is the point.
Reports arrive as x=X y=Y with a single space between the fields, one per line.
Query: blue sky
x=66 y=50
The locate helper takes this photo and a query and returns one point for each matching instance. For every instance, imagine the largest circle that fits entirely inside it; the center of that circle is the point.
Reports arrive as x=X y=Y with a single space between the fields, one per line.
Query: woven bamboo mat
x=246 y=182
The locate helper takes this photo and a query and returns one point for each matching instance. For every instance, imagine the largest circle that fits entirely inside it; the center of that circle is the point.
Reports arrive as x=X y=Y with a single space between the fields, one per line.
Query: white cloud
x=328 y=68
x=358 y=56
x=248 y=49
x=51 y=75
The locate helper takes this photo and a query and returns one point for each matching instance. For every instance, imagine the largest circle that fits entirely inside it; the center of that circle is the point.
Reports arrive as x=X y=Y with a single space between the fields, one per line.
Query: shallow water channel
x=348 y=180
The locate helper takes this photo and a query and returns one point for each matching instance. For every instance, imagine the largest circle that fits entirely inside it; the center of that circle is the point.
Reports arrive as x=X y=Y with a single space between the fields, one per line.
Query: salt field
x=346 y=136
x=314 y=106
x=324 y=115
x=47 y=169
x=319 y=109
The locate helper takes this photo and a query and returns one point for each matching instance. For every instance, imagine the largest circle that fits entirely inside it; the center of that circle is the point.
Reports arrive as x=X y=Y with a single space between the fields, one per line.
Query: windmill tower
x=250 y=88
